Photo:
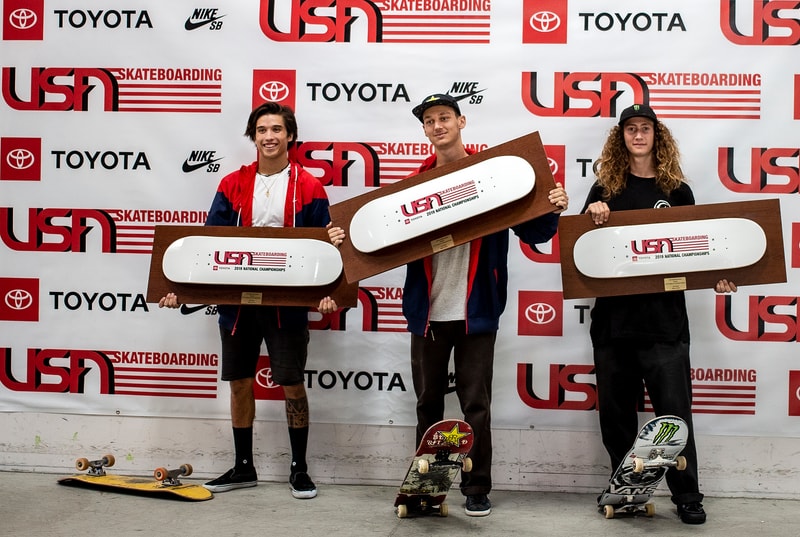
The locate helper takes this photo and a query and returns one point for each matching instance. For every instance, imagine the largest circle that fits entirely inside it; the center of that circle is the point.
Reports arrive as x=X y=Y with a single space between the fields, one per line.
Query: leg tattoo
x=297 y=412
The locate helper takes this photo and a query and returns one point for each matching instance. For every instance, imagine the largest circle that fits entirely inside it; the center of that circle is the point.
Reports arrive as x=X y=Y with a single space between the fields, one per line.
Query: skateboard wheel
x=186 y=469
x=402 y=511
x=608 y=511
x=638 y=465
x=650 y=509
x=82 y=464
x=109 y=460
x=466 y=464
x=160 y=474
x=680 y=462
x=444 y=510
x=423 y=466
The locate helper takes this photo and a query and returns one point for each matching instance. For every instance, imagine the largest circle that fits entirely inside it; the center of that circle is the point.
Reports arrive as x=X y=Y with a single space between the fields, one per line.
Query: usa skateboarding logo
x=439 y=201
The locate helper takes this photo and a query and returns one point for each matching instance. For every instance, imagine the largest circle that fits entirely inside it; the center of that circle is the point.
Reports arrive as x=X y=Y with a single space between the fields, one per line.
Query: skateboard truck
x=170 y=478
x=656 y=460
x=422 y=506
x=96 y=467
x=442 y=460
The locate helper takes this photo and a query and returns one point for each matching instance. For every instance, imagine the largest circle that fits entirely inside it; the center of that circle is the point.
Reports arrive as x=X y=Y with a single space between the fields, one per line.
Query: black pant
x=664 y=368
x=473 y=358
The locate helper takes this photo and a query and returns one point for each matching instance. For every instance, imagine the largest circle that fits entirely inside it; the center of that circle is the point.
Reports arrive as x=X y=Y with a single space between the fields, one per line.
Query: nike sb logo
x=201 y=159
x=202 y=17
x=466 y=90
x=188 y=310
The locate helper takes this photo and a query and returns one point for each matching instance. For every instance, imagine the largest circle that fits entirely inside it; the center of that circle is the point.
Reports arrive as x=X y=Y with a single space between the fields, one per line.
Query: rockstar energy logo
x=453 y=437
x=666 y=432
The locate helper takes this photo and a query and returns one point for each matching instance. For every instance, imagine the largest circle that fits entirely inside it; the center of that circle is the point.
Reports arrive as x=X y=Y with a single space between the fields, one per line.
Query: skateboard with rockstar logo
x=441 y=455
x=656 y=449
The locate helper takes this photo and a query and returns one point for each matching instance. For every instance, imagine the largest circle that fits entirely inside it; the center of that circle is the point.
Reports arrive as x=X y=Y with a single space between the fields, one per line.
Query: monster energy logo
x=666 y=432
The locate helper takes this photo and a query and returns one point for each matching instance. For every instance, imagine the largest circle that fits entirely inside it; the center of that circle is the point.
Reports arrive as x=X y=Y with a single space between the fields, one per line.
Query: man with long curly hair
x=643 y=340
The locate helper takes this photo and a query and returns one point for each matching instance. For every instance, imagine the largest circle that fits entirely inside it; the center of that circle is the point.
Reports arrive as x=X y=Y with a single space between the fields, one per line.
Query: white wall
x=534 y=460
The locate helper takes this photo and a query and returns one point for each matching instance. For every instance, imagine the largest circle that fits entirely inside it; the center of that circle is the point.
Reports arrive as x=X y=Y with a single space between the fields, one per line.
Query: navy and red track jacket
x=487 y=274
x=306 y=206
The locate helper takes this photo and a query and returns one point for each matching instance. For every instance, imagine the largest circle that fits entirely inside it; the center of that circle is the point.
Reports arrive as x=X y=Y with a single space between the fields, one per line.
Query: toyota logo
x=553 y=165
x=18 y=299
x=273 y=91
x=545 y=21
x=540 y=313
x=22 y=18
x=20 y=159
x=264 y=378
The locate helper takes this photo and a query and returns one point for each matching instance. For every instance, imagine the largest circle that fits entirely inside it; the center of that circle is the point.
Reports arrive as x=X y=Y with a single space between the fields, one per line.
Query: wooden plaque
x=345 y=294
x=771 y=268
x=359 y=265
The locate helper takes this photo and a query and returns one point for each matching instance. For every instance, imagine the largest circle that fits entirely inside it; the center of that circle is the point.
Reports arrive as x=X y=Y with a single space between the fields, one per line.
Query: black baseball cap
x=437 y=99
x=637 y=110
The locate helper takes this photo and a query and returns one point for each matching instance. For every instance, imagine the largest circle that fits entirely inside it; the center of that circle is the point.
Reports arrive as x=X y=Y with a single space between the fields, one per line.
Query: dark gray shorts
x=287 y=349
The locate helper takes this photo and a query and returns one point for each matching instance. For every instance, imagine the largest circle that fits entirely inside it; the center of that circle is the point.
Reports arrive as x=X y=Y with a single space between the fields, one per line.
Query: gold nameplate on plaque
x=442 y=243
x=251 y=298
x=675 y=284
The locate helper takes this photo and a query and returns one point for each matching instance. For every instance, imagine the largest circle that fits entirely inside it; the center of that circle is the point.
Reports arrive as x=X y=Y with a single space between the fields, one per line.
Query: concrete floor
x=34 y=504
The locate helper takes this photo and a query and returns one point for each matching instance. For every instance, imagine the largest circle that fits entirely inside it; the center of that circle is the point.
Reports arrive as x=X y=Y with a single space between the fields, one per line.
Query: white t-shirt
x=269 y=198
x=449 y=288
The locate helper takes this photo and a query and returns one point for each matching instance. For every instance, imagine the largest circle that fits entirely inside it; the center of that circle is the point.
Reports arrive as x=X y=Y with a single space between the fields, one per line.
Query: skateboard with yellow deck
x=165 y=483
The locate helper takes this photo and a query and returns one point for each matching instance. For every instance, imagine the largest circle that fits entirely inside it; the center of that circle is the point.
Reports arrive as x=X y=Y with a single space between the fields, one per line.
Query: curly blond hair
x=613 y=166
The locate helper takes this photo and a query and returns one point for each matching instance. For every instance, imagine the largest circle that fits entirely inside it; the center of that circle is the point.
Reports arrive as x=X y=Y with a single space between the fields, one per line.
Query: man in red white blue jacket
x=272 y=192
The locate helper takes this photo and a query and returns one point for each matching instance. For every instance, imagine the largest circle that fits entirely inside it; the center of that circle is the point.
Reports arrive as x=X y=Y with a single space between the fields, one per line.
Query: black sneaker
x=692 y=513
x=478 y=505
x=232 y=479
x=302 y=486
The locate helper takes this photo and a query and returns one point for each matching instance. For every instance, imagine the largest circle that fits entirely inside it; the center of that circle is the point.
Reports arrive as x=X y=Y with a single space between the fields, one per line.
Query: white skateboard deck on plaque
x=251 y=261
x=665 y=248
x=440 y=202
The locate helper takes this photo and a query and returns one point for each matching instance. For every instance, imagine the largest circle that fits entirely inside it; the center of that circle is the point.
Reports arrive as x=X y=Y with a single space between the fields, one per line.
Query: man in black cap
x=643 y=339
x=437 y=99
x=452 y=301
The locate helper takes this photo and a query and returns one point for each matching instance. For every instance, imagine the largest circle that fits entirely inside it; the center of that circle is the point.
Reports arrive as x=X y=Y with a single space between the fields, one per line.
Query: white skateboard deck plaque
x=359 y=264
x=251 y=261
x=677 y=247
x=674 y=249
x=443 y=201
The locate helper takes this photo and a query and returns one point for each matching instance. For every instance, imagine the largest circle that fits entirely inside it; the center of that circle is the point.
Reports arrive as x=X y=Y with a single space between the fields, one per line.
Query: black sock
x=298 y=438
x=243 y=445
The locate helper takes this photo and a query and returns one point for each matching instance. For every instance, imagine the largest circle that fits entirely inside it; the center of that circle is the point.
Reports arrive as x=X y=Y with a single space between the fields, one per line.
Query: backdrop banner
x=119 y=117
